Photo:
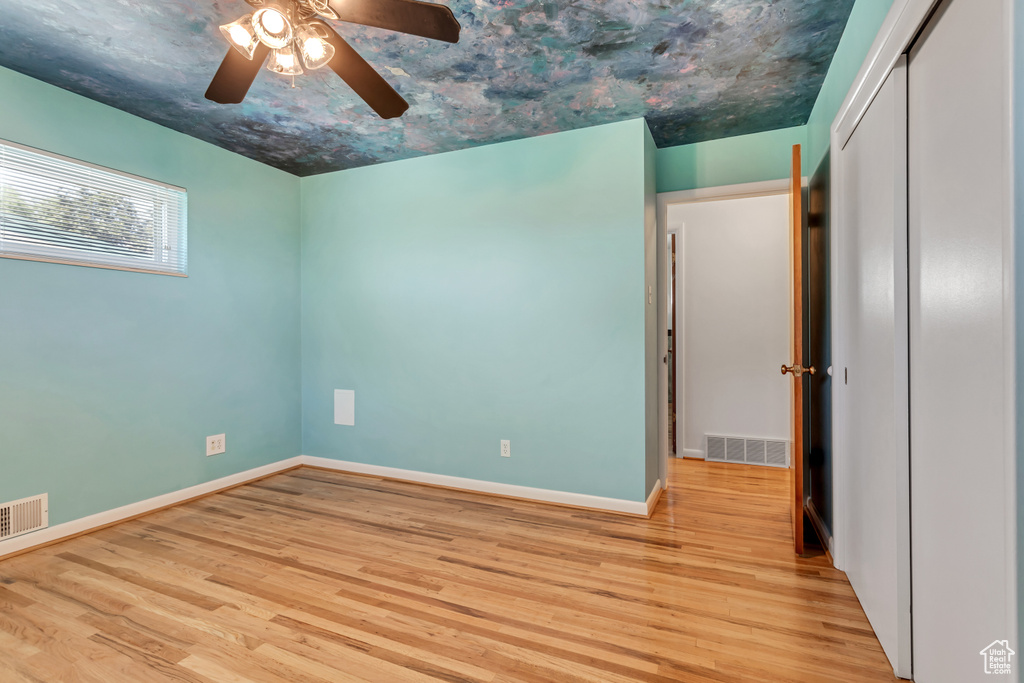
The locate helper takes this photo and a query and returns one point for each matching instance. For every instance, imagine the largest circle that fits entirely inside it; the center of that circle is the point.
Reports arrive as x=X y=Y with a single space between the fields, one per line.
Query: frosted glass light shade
x=316 y=51
x=285 y=61
x=241 y=36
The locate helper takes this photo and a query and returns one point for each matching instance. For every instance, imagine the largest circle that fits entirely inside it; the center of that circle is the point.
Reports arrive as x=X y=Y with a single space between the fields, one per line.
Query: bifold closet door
x=871 y=365
x=961 y=327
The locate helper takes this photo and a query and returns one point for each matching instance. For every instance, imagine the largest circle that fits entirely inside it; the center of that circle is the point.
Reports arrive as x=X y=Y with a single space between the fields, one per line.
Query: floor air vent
x=25 y=515
x=716 y=448
x=771 y=452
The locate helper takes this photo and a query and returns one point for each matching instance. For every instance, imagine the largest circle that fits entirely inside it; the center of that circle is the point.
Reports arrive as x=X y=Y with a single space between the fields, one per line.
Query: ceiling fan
x=294 y=32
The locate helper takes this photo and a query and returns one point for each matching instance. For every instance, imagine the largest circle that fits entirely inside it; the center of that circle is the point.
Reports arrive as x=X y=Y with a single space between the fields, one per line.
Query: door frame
x=664 y=200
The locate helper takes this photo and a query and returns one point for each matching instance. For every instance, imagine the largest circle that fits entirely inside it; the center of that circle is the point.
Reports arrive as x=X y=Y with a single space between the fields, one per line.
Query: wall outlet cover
x=216 y=444
x=506 y=448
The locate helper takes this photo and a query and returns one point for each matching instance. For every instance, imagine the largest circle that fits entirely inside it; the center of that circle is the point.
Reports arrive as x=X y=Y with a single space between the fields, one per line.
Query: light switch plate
x=345 y=407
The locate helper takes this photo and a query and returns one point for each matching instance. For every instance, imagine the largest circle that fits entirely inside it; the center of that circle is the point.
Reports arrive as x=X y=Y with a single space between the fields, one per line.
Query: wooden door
x=796 y=465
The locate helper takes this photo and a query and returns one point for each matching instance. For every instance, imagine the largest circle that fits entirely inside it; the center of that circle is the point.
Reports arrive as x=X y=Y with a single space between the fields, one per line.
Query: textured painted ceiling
x=696 y=69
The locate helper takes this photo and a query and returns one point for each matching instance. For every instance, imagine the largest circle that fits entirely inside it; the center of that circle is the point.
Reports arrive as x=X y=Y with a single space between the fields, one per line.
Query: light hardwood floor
x=320 y=577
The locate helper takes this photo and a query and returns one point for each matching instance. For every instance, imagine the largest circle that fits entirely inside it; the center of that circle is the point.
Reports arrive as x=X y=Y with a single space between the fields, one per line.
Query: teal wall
x=514 y=309
x=110 y=381
x=861 y=29
x=729 y=161
x=491 y=293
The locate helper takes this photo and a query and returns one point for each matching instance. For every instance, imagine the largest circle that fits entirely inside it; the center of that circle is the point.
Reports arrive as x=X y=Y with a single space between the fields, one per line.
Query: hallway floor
x=317 y=576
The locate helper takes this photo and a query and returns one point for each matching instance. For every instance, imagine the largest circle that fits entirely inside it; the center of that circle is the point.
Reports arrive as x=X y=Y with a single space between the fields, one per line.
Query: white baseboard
x=692 y=453
x=652 y=499
x=102 y=519
x=582 y=500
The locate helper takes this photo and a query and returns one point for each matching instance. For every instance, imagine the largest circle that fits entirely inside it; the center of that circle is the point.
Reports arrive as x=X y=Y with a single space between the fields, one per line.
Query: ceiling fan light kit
x=273 y=24
x=241 y=35
x=316 y=51
x=294 y=32
x=284 y=61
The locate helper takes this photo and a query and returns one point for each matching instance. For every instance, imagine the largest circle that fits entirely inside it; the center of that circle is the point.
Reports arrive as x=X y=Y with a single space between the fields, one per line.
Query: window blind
x=53 y=208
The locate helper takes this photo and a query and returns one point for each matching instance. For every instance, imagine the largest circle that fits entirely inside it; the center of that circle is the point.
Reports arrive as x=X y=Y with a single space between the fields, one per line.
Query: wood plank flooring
x=313 y=576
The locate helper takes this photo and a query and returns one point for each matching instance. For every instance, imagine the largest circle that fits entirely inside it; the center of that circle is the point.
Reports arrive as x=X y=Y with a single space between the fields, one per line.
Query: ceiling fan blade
x=364 y=79
x=425 y=19
x=235 y=75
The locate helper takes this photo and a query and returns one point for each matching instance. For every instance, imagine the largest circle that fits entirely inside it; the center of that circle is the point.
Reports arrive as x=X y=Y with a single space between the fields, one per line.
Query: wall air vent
x=25 y=515
x=771 y=452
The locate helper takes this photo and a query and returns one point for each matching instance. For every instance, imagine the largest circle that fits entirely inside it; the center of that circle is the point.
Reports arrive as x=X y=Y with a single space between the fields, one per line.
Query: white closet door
x=961 y=340
x=872 y=234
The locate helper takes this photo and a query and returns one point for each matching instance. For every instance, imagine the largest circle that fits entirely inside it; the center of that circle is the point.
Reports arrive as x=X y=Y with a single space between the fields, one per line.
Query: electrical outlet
x=506 y=448
x=215 y=445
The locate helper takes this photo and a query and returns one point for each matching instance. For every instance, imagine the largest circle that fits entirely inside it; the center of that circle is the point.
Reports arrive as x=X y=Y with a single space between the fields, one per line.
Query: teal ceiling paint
x=487 y=294
x=695 y=70
x=112 y=380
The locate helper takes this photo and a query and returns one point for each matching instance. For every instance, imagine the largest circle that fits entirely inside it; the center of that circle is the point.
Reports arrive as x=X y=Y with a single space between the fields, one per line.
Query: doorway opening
x=729 y=283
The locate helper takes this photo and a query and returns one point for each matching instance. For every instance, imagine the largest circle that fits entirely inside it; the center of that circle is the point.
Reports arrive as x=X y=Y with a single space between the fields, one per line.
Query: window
x=65 y=211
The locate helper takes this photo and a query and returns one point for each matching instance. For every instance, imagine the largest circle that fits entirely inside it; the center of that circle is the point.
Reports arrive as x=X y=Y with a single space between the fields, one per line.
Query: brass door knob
x=797 y=370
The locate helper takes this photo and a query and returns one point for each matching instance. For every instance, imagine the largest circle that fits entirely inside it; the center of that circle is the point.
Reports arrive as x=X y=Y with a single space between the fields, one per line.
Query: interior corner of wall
x=648 y=135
